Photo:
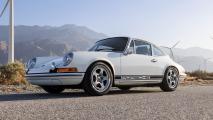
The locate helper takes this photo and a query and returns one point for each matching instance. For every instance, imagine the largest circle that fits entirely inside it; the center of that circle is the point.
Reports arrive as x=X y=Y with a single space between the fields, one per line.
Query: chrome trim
x=137 y=79
x=55 y=78
x=52 y=74
x=140 y=79
x=136 y=82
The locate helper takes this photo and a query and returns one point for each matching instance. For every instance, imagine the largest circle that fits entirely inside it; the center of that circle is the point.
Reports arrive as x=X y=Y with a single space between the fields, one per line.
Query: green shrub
x=12 y=74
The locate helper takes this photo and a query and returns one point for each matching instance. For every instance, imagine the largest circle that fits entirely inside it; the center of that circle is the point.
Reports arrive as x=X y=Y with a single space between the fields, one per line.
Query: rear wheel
x=98 y=79
x=53 y=89
x=171 y=79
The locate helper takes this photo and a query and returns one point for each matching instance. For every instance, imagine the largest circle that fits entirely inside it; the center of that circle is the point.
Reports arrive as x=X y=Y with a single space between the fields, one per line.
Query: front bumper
x=55 y=78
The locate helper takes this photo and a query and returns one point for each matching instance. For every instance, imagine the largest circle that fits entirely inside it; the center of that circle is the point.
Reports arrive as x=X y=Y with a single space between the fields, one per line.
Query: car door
x=141 y=61
x=162 y=60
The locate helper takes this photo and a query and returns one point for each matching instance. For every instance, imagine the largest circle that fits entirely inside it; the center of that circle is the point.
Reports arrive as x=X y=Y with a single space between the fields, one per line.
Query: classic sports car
x=121 y=62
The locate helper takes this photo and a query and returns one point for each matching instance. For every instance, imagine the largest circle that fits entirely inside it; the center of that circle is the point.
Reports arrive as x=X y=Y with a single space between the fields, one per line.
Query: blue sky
x=163 y=22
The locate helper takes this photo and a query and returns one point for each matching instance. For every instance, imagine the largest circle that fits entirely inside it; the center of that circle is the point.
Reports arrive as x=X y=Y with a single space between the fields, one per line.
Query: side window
x=157 y=51
x=143 y=48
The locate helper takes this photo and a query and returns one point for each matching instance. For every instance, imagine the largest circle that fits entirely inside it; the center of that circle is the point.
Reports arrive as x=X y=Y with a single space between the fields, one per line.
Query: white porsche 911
x=121 y=62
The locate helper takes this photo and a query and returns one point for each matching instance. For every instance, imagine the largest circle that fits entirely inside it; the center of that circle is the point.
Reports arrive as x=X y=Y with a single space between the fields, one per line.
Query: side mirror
x=128 y=51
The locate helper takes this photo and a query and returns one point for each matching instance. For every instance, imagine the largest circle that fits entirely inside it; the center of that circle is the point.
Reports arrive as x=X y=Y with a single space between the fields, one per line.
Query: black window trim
x=145 y=42
x=134 y=51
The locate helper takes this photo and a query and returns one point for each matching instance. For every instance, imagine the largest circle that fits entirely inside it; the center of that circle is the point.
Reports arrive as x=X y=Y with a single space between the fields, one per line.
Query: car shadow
x=40 y=96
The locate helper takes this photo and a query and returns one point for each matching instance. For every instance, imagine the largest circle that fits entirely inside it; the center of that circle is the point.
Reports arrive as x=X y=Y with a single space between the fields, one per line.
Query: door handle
x=154 y=60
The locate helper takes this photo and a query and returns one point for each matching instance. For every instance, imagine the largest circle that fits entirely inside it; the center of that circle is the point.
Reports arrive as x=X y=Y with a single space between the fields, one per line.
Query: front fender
x=100 y=60
x=82 y=60
x=181 y=70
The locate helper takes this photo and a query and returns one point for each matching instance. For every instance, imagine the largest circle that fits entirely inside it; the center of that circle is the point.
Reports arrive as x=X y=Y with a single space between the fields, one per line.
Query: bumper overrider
x=55 y=78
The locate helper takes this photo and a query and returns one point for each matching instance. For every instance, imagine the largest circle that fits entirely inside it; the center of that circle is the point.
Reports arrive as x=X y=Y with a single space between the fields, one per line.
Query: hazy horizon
x=115 y=35
x=161 y=22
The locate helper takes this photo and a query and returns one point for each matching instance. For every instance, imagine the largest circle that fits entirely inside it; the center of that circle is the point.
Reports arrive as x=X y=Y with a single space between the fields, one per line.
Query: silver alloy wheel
x=172 y=78
x=100 y=78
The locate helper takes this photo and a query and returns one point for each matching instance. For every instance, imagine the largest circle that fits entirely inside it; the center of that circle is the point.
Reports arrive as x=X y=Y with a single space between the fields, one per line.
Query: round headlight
x=31 y=64
x=68 y=59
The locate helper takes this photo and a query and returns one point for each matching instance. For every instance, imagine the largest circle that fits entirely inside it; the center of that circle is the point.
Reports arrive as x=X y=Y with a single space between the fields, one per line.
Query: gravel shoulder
x=188 y=102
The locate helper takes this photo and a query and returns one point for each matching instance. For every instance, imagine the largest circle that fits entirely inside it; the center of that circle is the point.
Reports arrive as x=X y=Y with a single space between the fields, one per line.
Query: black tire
x=88 y=83
x=166 y=84
x=124 y=88
x=53 y=89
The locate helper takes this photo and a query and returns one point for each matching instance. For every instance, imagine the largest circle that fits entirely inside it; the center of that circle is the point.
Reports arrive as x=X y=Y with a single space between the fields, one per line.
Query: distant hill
x=194 y=51
x=194 y=58
x=33 y=41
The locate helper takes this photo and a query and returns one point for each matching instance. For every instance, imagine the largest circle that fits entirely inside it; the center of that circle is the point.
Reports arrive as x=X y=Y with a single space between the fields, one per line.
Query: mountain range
x=193 y=58
x=31 y=41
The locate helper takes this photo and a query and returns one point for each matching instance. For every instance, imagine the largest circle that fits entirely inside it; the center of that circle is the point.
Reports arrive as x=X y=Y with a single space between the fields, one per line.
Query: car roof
x=142 y=40
x=130 y=38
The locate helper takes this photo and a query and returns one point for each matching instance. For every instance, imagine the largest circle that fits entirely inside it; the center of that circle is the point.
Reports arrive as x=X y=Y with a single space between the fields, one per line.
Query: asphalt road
x=190 y=103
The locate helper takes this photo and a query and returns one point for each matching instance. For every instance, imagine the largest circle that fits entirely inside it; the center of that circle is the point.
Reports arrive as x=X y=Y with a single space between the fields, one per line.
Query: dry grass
x=196 y=81
x=12 y=74
x=198 y=73
x=198 y=77
x=201 y=74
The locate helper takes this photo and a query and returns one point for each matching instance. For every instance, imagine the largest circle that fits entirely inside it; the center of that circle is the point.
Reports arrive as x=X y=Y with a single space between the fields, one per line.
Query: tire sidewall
x=165 y=85
x=88 y=87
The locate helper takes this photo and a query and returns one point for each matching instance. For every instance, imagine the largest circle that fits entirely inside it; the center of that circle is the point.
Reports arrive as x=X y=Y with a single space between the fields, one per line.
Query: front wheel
x=98 y=79
x=171 y=79
x=53 y=89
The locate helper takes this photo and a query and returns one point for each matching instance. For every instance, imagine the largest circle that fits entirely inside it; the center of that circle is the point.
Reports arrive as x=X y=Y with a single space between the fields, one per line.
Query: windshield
x=116 y=44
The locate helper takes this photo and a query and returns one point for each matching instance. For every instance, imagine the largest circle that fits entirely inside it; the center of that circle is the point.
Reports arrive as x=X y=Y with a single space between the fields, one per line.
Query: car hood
x=45 y=61
x=45 y=64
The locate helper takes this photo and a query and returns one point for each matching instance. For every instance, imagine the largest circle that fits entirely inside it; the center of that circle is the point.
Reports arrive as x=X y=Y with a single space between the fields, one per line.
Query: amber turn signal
x=66 y=70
